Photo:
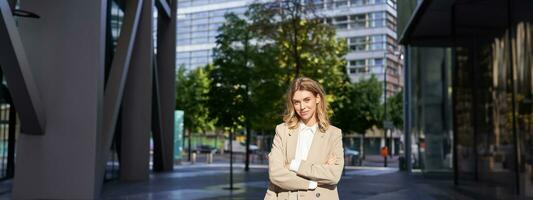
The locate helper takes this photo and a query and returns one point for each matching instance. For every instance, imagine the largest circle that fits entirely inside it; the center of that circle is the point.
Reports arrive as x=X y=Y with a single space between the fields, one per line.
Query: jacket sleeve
x=278 y=173
x=323 y=173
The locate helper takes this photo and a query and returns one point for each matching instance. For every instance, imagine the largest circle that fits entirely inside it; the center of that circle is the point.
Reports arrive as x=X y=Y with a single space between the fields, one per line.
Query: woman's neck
x=310 y=122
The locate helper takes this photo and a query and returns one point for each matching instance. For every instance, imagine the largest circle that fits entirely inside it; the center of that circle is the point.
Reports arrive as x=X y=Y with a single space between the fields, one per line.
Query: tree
x=306 y=45
x=232 y=78
x=395 y=109
x=229 y=74
x=359 y=107
x=191 y=96
x=257 y=56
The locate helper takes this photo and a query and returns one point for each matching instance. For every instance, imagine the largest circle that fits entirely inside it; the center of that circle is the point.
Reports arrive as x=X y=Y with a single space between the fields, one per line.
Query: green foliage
x=358 y=107
x=256 y=57
x=191 y=95
x=302 y=45
x=231 y=75
x=395 y=109
x=246 y=83
x=306 y=46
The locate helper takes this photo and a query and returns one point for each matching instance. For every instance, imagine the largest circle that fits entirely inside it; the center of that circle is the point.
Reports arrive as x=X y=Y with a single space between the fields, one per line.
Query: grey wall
x=65 y=49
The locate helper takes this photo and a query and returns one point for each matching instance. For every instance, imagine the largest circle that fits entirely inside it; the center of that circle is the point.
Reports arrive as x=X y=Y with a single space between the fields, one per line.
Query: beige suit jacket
x=289 y=185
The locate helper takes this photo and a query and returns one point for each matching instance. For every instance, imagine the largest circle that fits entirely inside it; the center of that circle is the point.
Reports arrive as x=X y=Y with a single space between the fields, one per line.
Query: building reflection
x=470 y=111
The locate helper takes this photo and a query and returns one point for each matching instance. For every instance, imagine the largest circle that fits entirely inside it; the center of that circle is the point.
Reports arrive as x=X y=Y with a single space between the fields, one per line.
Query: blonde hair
x=291 y=118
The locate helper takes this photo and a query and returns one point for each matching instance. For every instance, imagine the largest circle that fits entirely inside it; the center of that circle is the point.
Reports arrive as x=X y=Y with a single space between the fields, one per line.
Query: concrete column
x=166 y=84
x=65 y=51
x=137 y=102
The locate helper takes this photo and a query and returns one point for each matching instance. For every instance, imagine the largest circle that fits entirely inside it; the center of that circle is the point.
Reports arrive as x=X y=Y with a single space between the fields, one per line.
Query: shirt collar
x=312 y=128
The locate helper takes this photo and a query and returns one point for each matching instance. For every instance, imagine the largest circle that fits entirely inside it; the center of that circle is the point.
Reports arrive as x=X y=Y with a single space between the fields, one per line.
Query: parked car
x=353 y=156
x=202 y=148
x=240 y=147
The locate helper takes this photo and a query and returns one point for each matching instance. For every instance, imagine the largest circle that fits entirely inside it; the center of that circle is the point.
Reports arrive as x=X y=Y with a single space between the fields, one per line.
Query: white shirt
x=305 y=139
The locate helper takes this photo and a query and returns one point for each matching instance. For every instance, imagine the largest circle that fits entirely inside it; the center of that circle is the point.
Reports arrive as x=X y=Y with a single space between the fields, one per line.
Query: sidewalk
x=209 y=182
x=203 y=181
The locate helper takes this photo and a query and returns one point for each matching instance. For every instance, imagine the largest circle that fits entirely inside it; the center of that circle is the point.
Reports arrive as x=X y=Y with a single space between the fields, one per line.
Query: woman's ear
x=318 y=99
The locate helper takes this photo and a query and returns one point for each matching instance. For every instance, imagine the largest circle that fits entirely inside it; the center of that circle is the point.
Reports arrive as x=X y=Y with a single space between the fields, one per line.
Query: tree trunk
x=189 y=145
x=248 y=137
x=362 y=146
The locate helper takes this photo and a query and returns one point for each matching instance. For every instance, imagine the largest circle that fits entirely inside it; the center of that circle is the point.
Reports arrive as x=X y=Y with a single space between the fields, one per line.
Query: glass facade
x=430 y=109
x=367 y=25
x=197 y=31
x=471 y=111
x=365 y=20
x=336 y=4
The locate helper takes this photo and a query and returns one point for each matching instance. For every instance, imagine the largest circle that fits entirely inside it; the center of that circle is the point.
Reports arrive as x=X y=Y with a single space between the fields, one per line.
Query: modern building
x=369 y=27
x=468 y=92
x=81 y=81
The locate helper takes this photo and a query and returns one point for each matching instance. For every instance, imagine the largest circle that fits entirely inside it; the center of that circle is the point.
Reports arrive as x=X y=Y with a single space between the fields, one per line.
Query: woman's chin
x=305 y=118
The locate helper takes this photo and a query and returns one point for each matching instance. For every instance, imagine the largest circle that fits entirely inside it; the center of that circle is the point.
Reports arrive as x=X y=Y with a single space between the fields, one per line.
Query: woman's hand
x=331 y=160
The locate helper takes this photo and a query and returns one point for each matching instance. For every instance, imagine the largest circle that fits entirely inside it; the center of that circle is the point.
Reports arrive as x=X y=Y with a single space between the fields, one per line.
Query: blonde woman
x=307 y=156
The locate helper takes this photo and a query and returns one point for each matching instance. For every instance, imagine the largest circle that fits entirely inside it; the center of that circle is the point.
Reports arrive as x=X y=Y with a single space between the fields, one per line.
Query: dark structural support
x=18 y=75
x=65 y=51
x=114 y=88
x=136 y=103
x=164 y=8
x=89 y=88
x=166 y=81
x=407 y=110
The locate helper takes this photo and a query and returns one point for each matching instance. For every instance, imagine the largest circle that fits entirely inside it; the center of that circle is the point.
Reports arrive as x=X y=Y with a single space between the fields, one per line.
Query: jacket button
x=317 y=195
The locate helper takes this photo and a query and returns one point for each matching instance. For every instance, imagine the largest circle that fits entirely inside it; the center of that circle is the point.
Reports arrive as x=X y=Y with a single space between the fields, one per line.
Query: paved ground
x=210 y=182
x=203 y=181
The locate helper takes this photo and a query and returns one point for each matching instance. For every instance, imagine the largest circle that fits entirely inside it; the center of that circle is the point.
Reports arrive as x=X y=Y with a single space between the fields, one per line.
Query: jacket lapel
x=292 y=142
x=316 y=146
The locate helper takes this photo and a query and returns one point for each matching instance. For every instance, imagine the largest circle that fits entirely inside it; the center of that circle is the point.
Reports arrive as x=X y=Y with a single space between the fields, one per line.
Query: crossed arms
x=328 y=173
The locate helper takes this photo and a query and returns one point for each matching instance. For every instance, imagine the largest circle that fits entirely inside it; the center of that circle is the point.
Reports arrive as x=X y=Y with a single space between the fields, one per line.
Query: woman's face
x=305 y=104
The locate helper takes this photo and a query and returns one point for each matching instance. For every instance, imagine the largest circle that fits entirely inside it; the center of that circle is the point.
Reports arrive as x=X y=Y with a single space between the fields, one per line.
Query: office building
x=468 y=85
x=369 y=27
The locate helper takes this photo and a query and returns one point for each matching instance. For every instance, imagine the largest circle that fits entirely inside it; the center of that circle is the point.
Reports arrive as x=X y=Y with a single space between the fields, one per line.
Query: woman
x=307 y=158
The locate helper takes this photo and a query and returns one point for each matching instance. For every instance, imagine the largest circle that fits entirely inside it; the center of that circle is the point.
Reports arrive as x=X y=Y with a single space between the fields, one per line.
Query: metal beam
x=12 y=4
x=407 y=108
x=156 y=123
x=19 y=77
x=114 y=88
x=163 y=6
x=166 y=70
x=119 y=69
x=136 y=103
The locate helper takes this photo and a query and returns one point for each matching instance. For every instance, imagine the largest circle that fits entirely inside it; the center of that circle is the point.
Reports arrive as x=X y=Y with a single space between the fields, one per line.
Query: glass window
x=341 y=19
x=356 y=2
x=341 y=3
x=378 y=61
x=357 y=63
x=199 y=2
